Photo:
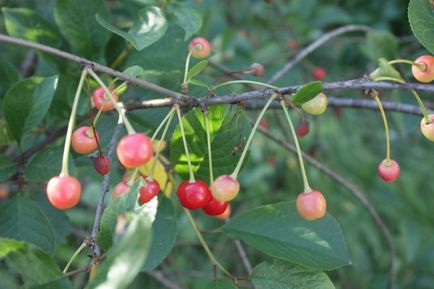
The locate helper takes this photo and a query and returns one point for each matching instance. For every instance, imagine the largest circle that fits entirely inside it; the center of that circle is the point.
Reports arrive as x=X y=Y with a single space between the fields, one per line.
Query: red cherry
x=63 y=192
x=388 y=172
x=149 y=191
x=425 y=71
x=101 y=164
x=292 y=43
x=4 y=191
x=319 y=73
x=199 y=47
x=257 y=69
x=83 y=141
x=263 y=123
x=311 y=205
x=100 y=98
x=214 y=207
x=193 y=195
x=119 y=189
x=134 y=150
x=302 y=129
x=226 y=214
x=428 y=129
x=225 y=188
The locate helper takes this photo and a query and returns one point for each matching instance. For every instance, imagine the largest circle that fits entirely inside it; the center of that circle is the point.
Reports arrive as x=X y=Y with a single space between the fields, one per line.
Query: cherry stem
x=115 y=103
x=95 y=121
x=78 y=251
x=386 y=128
x=208 y=141
x=163 y=136
x=181 y=126
x=187 y=65
x=162 y=124
x=245 y=82
x=92 y=121
x=307 y=188
x=65 y=158
x=236 y=171
x=133 y=177
x=122 y=85
x=205 y=245
x=421 y=66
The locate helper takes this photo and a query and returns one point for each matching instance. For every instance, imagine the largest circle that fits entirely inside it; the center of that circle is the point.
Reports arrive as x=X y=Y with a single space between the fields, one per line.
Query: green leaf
x=76 y=20
x=283 y=275
x=133 y=71
x=8 y=76
x=385 y=71
x=196 y=69
x=61 y=283
x=125 y=259
x=9 y=245
x=421 y=20
x=149 y=27
x=307 y=92
x=22 y=219
x=27 y=102
x=26 y=24
x=228 y=128
x=164 y=231
x=220 y=284
x=188 y=19
x=280 y=232
x=7 y=168
x=199 y=83
x=381 y=44
x=125 y=203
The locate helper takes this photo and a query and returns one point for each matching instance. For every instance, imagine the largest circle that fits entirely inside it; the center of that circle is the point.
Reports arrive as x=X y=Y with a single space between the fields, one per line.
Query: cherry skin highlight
x=225 y=215
x=303 y=129
x=319 y=73
x=63 y=192
x=225 y=188
x=149 y=191
x=214 y=207
x=193 y=195
x=134 y=150
x=119 y=189
x=81 y=142
x=311 y=205
x=99 y=98
x=388 y=172
x=199 y=47
x=101 y=165
x=428 y=128
x=316 y=105
x=425 y=73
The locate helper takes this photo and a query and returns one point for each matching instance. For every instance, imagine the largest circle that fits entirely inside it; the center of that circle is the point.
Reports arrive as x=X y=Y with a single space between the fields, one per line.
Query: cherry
x=428 y=128
x=134 y=150
x=4 y=191
x=225 y=215
x=149 y=191
x=119 y=189
x=199 y=47
x=83 y=141
x=225 y=188
x=302 y=129
x=316 y=105
x=100 y=98
x=257 y=69
x=425 y=71
x=292 y=43
x=388 y=172
x=263 y=123
x=214 y=207
x=101 y=164
x=63 y=192
x=319 y=73
x=193 y=195
x=311 y=205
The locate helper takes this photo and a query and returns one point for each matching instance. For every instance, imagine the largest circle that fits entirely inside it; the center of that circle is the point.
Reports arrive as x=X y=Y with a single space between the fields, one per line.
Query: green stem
x=71 y=123
x=386 y=128
x=422 y=106
x=187 y=65
x=95 y=121
x=181 y=126
x=307 y=188
x=115 y=103
x=243 y=82
x=133 y=177
x=234 y=174
x=82 y=246
x=163 y=136
x=123 y=84
x=162 y=124
x=208 y=141
x=406 y=61
x=205 y=245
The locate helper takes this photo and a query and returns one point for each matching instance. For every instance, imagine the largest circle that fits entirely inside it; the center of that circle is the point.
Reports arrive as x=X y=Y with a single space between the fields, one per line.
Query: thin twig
x=157 y=275
x=75 y=272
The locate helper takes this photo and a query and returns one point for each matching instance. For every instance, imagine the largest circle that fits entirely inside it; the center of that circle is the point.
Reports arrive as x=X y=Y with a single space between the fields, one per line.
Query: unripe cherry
x=63 y=192
x=149 y=191
x=214 y=207
x=100 y=98
x=199 y=47
x=425 y=71
x=316 y=105
x=302 y=129
x=119 y=189
x=101 y=164
x=428 y=128
x=225 y=188
x=134 y=150
x=319 y=73
x=193 y=195
x=83 y=140
x=257 y=69
x=388 y=172
x=225 y=215
x=311 y=205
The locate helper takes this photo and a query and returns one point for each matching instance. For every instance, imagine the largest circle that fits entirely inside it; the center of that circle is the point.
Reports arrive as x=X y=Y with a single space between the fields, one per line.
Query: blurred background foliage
x=350 y=141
